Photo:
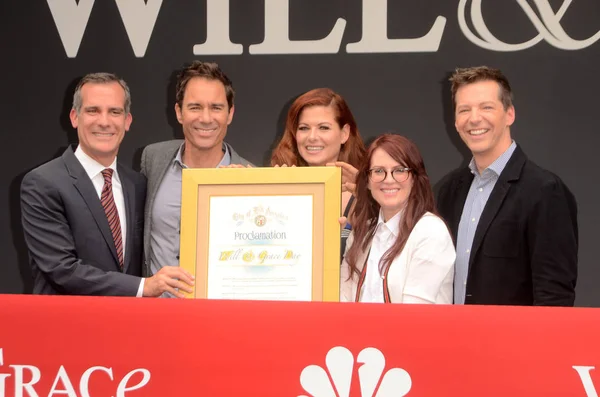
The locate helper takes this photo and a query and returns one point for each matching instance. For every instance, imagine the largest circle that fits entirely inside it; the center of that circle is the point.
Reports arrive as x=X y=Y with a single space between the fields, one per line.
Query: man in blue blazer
x=82 y=213
x=514 y=223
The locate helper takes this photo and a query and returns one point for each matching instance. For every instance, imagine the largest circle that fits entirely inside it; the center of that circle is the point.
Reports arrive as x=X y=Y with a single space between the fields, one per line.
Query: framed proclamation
x=262 y=233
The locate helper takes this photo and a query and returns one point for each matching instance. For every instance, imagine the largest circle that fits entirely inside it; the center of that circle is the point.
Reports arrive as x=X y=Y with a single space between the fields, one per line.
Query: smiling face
x=204 y=115
x=391 y=195
x=319 y=137
x=101 y=122
x=482 y=121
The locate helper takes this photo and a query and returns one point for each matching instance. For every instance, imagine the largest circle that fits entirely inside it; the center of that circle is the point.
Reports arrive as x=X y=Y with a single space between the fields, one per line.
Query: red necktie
x=110 y=208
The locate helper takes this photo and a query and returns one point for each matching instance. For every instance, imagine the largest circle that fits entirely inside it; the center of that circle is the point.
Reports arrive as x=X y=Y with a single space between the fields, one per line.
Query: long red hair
x=286 y=152
x=366 y=212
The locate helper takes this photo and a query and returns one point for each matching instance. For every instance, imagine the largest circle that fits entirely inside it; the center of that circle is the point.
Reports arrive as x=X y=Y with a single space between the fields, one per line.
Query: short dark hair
x=100 y=78
x=206 y=70
x=465 y=76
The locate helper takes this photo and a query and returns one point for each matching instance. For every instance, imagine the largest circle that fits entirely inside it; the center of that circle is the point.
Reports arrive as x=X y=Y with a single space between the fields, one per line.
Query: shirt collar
x=92 y=167
x=179 y=156
x=393 y=225
x=226 y=160
x=498 y=165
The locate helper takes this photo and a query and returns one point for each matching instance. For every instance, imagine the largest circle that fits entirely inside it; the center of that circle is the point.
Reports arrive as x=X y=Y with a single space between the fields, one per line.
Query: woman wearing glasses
x=399 y=250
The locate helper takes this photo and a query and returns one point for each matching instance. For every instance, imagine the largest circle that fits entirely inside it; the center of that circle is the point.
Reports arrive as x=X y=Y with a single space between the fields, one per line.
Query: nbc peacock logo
x=337 y=379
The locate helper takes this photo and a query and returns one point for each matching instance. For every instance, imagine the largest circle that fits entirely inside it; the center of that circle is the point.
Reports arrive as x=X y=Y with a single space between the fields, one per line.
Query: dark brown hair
x=286 y=152
x=206 y=70
x=464 y=76
x=366 y=212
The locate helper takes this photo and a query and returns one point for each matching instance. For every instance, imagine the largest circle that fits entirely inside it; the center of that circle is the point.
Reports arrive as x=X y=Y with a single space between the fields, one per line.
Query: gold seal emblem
x=260 y=220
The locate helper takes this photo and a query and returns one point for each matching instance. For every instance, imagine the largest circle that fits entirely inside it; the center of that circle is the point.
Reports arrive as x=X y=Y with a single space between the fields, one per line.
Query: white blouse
x=385 y=235
x=423 y=272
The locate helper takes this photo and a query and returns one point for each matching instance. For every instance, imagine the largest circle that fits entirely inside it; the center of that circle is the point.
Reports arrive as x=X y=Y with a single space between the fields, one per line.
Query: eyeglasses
x=398 y=174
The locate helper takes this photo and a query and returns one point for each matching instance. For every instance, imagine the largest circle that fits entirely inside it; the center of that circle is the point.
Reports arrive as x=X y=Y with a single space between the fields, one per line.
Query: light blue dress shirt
x=479 y=192
x=166 y=214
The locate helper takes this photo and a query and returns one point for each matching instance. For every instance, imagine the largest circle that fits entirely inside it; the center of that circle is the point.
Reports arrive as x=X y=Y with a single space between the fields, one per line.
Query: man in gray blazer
x=82 y=212
x=204 y=108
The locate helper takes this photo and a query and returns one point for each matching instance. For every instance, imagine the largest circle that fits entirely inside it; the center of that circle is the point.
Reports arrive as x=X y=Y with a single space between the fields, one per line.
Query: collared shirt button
x=468 y=251
x=472 y=219
x=481 y=189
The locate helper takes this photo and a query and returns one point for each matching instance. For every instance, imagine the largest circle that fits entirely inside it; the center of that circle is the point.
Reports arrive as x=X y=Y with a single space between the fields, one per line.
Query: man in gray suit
x=204 y=108
x=82 y=212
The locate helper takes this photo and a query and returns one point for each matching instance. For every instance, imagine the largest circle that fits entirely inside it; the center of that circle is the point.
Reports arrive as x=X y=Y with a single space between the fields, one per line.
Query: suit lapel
x=155 y=172
x=234 y=157
x=86 y=189
x=487 y=216
x=129 y=197
x=460 y=193
x=162 y=165
x=511 y=172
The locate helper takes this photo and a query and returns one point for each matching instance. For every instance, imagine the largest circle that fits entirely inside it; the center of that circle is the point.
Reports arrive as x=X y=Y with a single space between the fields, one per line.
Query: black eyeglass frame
x=405 y=172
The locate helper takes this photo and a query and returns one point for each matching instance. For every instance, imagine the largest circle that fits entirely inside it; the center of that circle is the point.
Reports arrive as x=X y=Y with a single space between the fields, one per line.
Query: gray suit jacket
x=70 y=244
x=156 y=159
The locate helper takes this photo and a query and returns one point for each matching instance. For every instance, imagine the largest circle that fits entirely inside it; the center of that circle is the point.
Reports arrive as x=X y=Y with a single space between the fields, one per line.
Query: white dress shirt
x=94 y=170
x=423 y=272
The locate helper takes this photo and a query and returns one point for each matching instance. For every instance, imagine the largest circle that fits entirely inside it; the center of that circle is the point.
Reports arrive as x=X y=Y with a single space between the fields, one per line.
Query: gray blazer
x=156 y=159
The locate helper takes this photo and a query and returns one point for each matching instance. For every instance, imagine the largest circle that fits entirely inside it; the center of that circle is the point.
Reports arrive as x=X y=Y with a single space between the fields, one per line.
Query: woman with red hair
x=320 y=130
x=399 y=250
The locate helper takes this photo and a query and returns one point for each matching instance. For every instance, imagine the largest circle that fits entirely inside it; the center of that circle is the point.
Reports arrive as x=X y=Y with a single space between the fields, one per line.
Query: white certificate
x=260 y=247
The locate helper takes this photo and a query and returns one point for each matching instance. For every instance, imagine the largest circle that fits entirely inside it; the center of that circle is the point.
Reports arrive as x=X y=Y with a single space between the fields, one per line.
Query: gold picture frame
x=203 y=188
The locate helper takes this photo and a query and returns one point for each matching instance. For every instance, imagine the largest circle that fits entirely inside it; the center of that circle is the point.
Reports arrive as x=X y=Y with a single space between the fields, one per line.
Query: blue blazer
x=525 y=246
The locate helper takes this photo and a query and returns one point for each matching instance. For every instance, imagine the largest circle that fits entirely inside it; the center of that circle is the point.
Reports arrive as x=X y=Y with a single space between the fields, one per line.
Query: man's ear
x=74 y=118
x=510 y=115
x=128 y=121
x=230 y=117
x=178 y=113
